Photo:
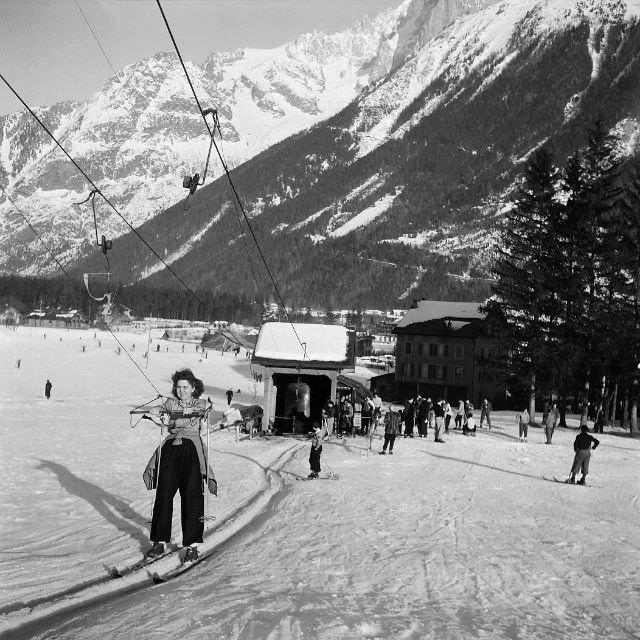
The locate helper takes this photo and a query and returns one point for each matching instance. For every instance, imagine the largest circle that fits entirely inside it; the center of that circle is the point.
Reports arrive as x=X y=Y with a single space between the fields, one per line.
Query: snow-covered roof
x=437 y=309
x=287 y=344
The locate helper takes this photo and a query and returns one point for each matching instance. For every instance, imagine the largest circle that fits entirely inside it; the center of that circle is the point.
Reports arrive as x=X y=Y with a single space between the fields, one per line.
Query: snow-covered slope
x=457 y=541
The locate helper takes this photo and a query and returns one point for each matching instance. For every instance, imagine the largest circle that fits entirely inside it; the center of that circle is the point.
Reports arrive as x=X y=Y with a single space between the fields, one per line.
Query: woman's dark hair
x=187 y=374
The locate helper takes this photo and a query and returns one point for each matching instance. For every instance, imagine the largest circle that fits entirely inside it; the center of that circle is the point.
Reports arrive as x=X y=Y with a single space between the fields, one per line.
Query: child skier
x=316 y=451
x=582 y=446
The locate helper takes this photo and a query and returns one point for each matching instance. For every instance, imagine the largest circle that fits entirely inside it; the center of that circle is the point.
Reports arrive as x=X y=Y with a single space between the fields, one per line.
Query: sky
x=48 y=52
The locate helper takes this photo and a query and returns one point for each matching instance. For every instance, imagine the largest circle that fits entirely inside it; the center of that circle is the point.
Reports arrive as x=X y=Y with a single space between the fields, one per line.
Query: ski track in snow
x=461 y=540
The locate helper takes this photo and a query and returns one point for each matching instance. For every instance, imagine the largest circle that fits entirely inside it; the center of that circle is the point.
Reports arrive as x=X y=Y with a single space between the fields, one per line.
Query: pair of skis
x=178 y=566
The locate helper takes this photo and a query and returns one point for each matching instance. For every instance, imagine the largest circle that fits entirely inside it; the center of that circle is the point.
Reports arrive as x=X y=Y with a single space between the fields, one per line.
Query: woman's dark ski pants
x=179 y=471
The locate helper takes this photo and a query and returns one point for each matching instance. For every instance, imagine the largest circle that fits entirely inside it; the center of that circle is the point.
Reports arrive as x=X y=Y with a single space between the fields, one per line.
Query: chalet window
x=424 y=370
x=431 y=371
x=407 y=347
x=420 y=348
x=441 y=372
x=411 y=370
x=439 y=350
x=458 y=373
x=459 y=351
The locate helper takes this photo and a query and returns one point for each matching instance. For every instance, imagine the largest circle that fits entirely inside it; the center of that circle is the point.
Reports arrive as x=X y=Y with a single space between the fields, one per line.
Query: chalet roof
x=324 y=346
x=443 y=328
x=437 y=309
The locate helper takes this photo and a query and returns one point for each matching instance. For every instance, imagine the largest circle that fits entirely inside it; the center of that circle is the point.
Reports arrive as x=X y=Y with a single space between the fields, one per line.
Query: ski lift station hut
x=301 y=365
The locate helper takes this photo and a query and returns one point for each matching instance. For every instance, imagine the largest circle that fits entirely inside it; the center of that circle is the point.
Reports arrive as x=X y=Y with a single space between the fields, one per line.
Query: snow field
x=461 y=540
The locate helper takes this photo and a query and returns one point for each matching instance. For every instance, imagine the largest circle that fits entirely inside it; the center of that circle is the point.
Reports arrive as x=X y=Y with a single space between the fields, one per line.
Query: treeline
x=29 y=293
x=567 y=291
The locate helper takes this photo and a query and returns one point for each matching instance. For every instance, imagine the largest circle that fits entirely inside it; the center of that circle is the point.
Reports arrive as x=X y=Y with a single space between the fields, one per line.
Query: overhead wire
x=73 y=282
x=95 y=37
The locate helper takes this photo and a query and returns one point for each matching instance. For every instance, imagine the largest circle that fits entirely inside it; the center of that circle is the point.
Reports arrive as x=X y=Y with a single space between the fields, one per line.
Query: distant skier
x=582 y=446
x=47 y=389
x=329 y=416
x=18 y=363
x=523 y=420
x=550 y=422
x=229 y=396
x=438 y=410
x=459 y=419
x=392 y=427
x=485 y=413
x=316 y=451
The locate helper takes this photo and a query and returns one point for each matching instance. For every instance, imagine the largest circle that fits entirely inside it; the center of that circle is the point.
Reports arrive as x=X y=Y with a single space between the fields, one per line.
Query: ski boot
x=156 y=550
x=582 y=481
x=191 y=554
x=570 y=480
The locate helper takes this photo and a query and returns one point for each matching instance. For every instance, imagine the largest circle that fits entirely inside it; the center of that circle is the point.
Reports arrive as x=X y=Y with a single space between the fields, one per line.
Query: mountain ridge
x=405 y=185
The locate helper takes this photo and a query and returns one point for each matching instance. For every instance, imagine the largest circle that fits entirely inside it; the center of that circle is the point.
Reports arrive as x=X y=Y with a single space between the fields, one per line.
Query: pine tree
x=590 y=184
x=524 y=291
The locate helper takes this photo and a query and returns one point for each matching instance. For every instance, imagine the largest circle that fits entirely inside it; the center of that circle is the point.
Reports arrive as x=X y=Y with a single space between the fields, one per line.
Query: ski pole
x=206 y=515
x=155 y=497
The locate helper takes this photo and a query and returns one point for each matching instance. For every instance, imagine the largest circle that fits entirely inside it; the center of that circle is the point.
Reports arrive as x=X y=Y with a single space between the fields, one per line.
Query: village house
x=57 y=319
x=440 y=352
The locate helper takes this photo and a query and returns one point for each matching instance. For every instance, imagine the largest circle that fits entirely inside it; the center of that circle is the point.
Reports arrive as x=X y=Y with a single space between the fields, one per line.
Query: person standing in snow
x=523 y=420
x=47 y=389
x=438 y=411
x=485 y=412
x=366 y=413
x=422 y=415
x=550 y=422
x=448 y=412
x=582 y=446
x=183 y=466
x=409 y=418
x=377 y=406
x=316 y=451
x=329 y=416
x=392 y=422
x=229 y=396
x=459 y=415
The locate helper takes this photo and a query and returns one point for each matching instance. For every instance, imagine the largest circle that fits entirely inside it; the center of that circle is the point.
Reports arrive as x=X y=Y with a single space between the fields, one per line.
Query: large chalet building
x=440 y=350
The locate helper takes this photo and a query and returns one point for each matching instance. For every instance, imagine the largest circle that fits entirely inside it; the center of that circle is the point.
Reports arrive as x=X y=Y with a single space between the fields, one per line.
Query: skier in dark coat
x=47 y=389
x=409 y=418
x=422 y=416
x=485 y=413
x=392 y=422
x=582 y=446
